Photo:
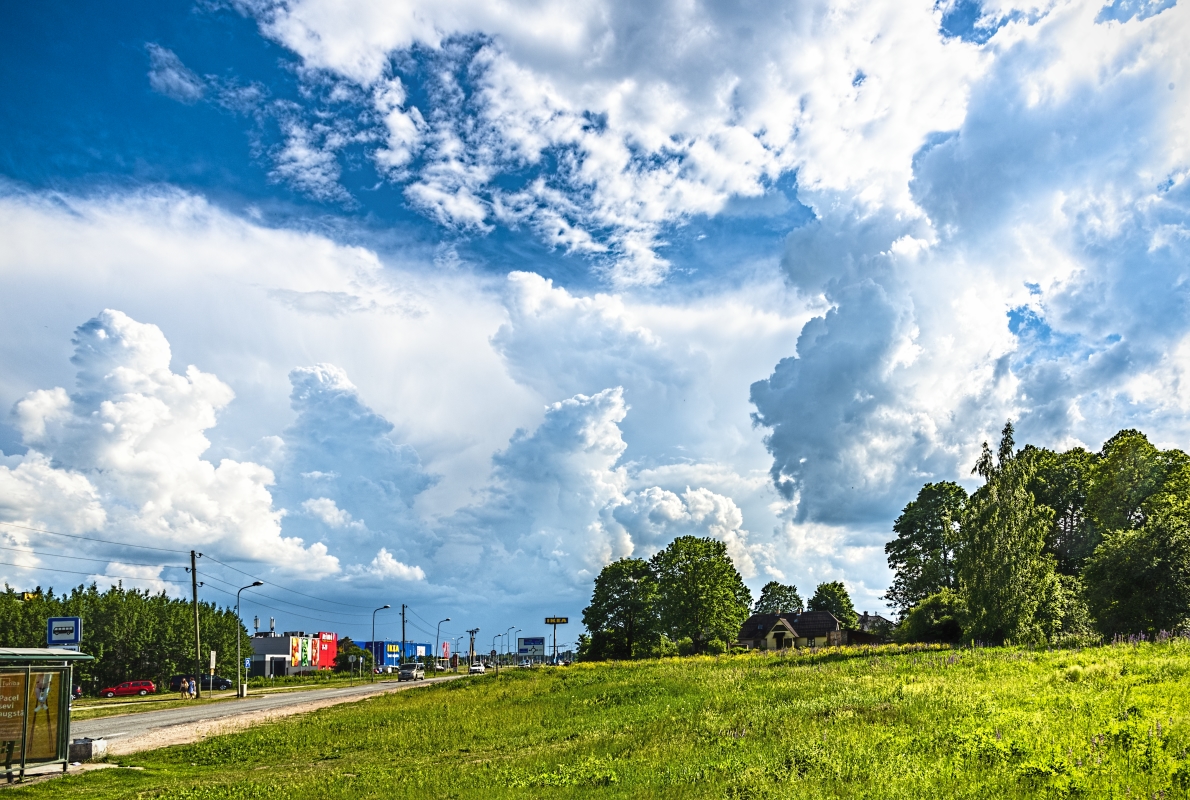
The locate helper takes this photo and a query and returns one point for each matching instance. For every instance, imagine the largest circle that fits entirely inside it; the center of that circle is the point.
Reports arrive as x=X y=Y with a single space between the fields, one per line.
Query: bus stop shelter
x=35 y=685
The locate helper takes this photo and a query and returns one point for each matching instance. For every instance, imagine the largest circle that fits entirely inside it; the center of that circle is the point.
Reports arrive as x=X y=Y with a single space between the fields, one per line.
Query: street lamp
x=514 y=633
x=386 y=605
x=239 y=664
x=437 y=660
x=494 y=638
x=510 y=627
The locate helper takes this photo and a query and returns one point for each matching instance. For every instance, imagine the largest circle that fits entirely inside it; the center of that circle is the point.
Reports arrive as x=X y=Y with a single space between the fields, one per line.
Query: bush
x=938 y=618
x=685 y=646
x=716 y=647
x=665 y=647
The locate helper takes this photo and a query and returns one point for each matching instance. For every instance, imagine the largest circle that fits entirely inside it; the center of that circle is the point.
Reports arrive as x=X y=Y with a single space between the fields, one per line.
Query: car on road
x=207 y=682
x=129 y=688
x=476 y=669
x=411 y=672
x=526 y=663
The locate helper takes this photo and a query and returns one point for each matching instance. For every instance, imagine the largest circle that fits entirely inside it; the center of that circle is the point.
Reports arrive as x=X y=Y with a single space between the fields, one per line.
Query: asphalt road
x=145 y=721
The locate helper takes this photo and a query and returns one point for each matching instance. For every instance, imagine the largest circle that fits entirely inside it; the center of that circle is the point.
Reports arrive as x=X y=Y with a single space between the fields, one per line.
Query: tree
x=937 y=618
x=1061 y=481
x=347 y=649
x=622 y=617
x=1128 y=472
x=833 y=597
x=777 y=598
x=922 y=556
x=700 y=594
x=1138 y=581
x=1003 y=570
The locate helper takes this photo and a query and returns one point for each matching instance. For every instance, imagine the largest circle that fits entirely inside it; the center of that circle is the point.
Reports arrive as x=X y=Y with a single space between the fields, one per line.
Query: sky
x=450 y=304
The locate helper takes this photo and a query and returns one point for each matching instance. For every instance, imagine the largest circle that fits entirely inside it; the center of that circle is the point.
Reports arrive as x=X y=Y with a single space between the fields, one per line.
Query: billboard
x=531 y=646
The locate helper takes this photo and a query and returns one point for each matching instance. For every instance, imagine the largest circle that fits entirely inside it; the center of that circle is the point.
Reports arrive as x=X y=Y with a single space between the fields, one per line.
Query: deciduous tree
x=700 y=594
x=833 y=597
x=622 y=618
x=922 y=556
x=777 y=598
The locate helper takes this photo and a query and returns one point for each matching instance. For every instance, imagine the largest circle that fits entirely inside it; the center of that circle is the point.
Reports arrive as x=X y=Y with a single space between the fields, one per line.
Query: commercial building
x=388 y=654
x=292 y=653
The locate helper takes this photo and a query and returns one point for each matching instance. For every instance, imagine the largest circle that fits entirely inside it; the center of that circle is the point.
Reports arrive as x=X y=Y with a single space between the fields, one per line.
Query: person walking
x=193 y=688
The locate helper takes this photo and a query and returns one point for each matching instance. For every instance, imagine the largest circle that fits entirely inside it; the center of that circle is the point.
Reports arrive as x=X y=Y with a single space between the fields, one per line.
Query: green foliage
x=922 y=556
x=1139 y=580
x=1061 y=481
x=892 y=722
x=1003 y=569
x=1129 y=471
x=348 y=648
x=777 y=598
x=833 y=597
x=938 y=618
x=622 y=617
x=700 y=594
x=133 y=635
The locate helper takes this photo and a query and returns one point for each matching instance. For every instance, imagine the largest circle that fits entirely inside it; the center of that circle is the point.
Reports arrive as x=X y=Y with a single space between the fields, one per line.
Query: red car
x=130 y=687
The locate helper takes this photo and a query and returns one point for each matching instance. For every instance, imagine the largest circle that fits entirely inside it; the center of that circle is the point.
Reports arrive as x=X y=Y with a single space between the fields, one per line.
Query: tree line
x=1053 y=545
x=688 y=598
x=133 y=634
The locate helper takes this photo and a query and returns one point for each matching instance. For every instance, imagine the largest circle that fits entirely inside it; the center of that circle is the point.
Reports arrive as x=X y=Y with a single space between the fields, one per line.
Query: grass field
x=881 y=723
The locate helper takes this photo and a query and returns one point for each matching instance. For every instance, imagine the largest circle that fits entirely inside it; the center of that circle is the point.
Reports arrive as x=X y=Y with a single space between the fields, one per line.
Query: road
x=145 y=721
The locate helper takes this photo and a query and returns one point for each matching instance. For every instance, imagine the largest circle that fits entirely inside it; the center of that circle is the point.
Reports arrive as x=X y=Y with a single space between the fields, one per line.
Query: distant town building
x=292 y=653
x=388 y=653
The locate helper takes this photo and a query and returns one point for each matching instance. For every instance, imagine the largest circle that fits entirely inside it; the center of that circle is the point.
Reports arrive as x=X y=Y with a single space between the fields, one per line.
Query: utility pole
x=403 y=607
x=197 y=643
x=471 y=649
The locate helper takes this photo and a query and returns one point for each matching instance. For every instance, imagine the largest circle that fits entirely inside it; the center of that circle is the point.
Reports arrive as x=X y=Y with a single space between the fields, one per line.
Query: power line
x=76 y=572
x=92 y=538
x=284 y=588
x=257 y=592
x=83 y=558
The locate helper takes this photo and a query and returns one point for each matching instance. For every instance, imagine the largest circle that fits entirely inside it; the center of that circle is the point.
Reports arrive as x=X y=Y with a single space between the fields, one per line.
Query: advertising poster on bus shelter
x=36 y=734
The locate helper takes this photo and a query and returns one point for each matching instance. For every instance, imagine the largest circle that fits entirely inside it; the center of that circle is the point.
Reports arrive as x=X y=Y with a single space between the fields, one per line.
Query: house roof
x=759 y=626
x=815 y=623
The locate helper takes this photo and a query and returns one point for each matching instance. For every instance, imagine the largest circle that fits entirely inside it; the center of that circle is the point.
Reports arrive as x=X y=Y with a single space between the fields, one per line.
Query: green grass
x=880 y=723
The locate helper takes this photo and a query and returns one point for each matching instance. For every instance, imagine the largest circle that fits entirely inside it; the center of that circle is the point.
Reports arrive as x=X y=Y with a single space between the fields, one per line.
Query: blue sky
x=453 y=303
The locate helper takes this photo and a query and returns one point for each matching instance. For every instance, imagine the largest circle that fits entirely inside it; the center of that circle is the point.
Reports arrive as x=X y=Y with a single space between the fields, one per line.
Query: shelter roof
x=24 y=655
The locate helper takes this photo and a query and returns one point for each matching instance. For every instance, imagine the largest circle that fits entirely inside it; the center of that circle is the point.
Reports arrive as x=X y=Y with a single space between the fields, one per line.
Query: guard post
x=35 y=689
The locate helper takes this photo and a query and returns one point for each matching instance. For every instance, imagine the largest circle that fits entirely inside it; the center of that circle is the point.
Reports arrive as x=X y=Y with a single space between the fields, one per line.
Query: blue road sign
x=60 y=631
x=247 y=663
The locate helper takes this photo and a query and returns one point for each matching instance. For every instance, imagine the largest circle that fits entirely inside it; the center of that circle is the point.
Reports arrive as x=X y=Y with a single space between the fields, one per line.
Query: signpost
x=212 y=664
x=556 y=621
x=531 y=646
x=64 y=632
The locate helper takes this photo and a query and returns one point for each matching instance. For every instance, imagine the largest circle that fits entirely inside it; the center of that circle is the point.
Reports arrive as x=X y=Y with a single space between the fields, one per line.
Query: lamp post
x=239 y=664
x=510 y=627
x=514 y=633
x=438 y=630
x=494 y=638
x=456 y=647
x=386 y=605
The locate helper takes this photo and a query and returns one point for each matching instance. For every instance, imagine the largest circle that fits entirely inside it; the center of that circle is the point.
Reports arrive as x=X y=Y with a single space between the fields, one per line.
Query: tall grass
x=880 y=722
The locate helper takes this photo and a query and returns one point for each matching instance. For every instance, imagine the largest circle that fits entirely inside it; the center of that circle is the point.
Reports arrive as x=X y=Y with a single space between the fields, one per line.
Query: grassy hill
x=882 y=723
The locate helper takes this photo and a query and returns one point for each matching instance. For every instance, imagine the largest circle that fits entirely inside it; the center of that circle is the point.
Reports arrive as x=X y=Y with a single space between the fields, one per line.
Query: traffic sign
x=557 y=620
x=62 y=631
x=247 y=663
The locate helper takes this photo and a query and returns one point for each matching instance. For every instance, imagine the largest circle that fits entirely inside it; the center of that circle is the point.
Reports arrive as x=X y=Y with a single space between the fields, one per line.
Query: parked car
x=476 y=669
x=206 y=682
x=129 y=688
x=411 y=672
